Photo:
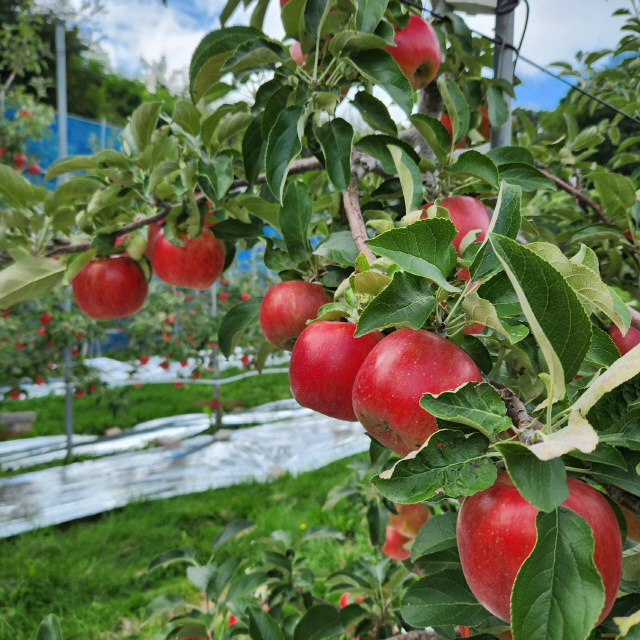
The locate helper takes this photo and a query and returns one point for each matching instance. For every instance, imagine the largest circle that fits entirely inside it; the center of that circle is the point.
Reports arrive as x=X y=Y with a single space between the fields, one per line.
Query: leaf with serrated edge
x=30 y=277
x=294 y=219
x=437 y=534
x=407 y=301
x=238 y=318
x=374 y=111
x=371 y=282
x=481 y=311
x=475 y=405
x=369 y=14
x=423 y=248
x=335 y=138
x=435 y=134
x=478 y=165
x=558 y=593
x=580 y=278
x=446 y=461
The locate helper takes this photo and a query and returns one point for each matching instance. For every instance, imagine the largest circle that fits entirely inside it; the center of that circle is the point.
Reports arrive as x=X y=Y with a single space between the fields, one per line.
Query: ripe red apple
x=295 y=51
x=19 y=346
x=324 y=364
x=3 y=152
x=110 y=288
x=144 y=359
x=223 y=297
x=196 y=265
x=24 y=113
x=244 y=296
x=41 y=331
x=152 y=233
x=40 y=379
x=287 y=307
x=496 y=531
x=394 y=545
x=409 y=519
x=34 y=169
x=624 y=342
x=344 y=600
x=417 y=52
x=19 y=160
x=79 y=393
x=45 y=318
x=74 y=352
x=393 y=378
x=232 y=619
x=467 y=214
x=178 y=385
x=164 y=365
x=446 y=121
x=484 y=128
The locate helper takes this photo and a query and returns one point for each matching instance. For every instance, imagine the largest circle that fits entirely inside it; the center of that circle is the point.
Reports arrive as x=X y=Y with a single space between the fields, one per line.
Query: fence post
x=215 y=373
x=503 y=69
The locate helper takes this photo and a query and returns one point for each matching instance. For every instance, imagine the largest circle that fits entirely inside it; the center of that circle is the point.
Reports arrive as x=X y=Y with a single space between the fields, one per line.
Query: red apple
x=79 y=393
x=624 y=342
x=324 y=364
x=45 y=318
x=409 y=519
x=14 y=394
x=344 y=600
x=417 y=52
x=40 y=379
x=144 y=359
x=178 y=385
x=286 y=308
x=5 y=312
x=484 y=128
x=19 y=160
x=232 y=620
x=19 y=346
x=169 y=320
x=223 y=282
x=244 y=360
x=295 y=51
x=164 y=365
x=393 y=378
x=183 y=363
x=3 y=152
x=223 y=297
x=34 y=169
x=24 y=113
x=110 y=288
x=74 y=352
x=467 y=214
x=41 y=331
x=92 y=387
x=244 y=296
x=446 y=121
x=473 y=329
x=394 y=545
x=196 y=265
x=496 y=531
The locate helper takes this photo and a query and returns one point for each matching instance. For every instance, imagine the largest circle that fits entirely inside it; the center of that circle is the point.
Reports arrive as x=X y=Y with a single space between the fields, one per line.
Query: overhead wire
x=511 y=4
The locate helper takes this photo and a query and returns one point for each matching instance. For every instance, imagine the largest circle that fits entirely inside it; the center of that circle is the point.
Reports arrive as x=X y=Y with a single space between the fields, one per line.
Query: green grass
x=92 y=416
x=91 y=573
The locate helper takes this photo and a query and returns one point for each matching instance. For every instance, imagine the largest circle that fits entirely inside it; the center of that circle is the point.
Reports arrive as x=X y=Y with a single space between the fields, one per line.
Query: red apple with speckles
x=197 y=265
x=467 y=214
x=624 y=342
x=409 y=519
x=496 y=531
x=394 y=545
x=399 y=370
x=110 y=288
x=417 y=52
x=324 y=364
x=287 y=307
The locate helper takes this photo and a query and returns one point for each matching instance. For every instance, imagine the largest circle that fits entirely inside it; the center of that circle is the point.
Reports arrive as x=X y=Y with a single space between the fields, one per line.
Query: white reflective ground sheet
x=291 y=439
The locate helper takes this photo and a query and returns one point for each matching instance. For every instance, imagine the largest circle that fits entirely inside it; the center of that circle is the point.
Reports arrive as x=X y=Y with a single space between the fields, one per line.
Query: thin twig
x=578 y=195
x=417 y=634
x=624 y=499
x=354 y=216
x=299 y=166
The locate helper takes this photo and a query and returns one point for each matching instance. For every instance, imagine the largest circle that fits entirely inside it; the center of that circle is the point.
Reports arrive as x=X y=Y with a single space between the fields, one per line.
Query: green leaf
x=373 y=111
x=475 y=164
x=57 y=167
x=446 y=600
x=475 y=405
x=143 y=123
x=228 y=10
x=254 y=149
x=346 y=42
x=314 y=15
x=602 y=352
x=457 y=108
x=410 y=178
x=233 y=124
x=50 y=629
x=627 y=479
x=478 y=310
x=29 y=278
x=617 y=193
x=335 y=138
x=497 y=108
x=259 y=53
x=231 y=531
x=294 y=219
x=499 y=292
x=339 y=247
x=246 y=585
x=511 y=155
x=370 y=282
x=437 y=534
x=446 y=461
x=556 y=316
x=262 y=626
x=282 y=147
x=525 y=176
x=319 y=622
x=187 y=117
x=232 y=230
x=542 y=484
x=236 y=321
x=378 y=146
x=369 y=14
x=268 y=211
x=219 y=173
x=381 y=68
x=604 y=453
x=558 y=592
x=435 y=135
x=406 y=302
x=585 y=282
x=183 y=554
x=423 y=248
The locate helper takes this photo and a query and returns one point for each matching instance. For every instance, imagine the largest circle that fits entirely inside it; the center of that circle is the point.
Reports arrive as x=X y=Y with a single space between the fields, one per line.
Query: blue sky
x=135 y=29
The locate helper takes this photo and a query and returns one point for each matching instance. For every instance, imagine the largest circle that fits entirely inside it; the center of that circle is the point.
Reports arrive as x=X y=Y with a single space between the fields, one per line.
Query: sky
x=133 y=30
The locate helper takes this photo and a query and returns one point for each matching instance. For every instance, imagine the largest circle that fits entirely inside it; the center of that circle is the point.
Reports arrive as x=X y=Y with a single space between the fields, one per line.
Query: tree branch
x=624 y=499
x=417 y=634
x=299 y=166
x=578 y=195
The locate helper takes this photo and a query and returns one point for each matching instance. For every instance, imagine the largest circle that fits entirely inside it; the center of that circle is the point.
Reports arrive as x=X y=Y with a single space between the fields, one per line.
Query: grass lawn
x=92 y=415
x=91 y=573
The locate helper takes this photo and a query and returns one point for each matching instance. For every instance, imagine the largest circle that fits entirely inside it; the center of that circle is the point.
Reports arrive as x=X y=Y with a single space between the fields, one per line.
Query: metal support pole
x=215 y=373
x=61 y=90
x=103 y=132
x=503 y=69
